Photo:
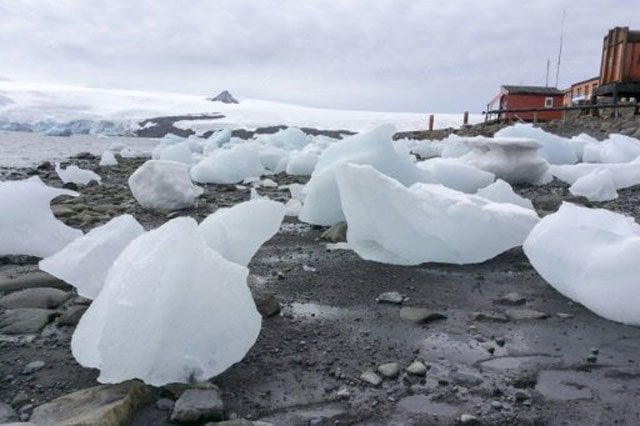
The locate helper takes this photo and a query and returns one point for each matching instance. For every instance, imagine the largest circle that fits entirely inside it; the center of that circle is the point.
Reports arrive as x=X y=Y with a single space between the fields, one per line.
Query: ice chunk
x=302 y=163
x=179 y=152
x=171 y=310
x=322 y=204
x=297 y=191
x=271 y=156
x=84 y=263
x=268 y=183
x=555 y=149
x=163 y=185
x=27 y=225
x=596 y=186
x=590 y=256
x=238 y=232
x=455 y=174
x=390 y=223
x=293 y=207
x=615 y=149
x=623 y=175
x=501 y=192
x=108 y=159
x=514 y=160
x=578 y=143
x=289 y=139
x=75 y=174
x=132 y=153
x=216 y=140
x=225 y=166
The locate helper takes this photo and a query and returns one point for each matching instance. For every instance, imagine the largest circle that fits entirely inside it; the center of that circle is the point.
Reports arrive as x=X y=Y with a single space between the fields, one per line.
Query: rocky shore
x=344 y=341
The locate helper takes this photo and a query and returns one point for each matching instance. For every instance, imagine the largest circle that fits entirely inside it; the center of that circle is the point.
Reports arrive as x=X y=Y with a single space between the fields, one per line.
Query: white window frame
x=548 y=102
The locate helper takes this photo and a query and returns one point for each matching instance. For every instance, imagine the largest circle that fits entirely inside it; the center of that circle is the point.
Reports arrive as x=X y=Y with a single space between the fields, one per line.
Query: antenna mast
x=546 y=80
x=560 y=50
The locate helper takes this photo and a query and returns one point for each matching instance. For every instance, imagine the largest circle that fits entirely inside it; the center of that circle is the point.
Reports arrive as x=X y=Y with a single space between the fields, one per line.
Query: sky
x=385 y=55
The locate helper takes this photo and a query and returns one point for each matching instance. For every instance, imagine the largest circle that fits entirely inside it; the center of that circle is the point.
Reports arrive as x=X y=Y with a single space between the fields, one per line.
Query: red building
x=527 y=97
x=581 y=92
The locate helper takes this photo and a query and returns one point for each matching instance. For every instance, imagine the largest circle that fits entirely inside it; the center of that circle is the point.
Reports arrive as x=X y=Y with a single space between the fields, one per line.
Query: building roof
x=586 y=81
x=532 y=90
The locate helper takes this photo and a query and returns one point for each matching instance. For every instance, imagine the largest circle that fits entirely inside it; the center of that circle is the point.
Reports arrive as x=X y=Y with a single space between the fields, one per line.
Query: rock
x=465 y=379
x=20 y=399
x=525 y=314
x=24 y=321
x=32 y=280
x=197 y=405
x=72 y=315
x=60 y=210
x=489 y=316
x=521 y=395
x=417 y=368
x=70 y=185
x=467 y=419
x=46 y=165
x=239 y=422
x=592 y=359
x=564 y=315
x=335 y=234
x=165 y=404
x=267 y=304
x=370 y=377
x=512 y=298
x=7 y=414
x=33 y=367
x=390 y=297
x=43 y=298
x=225 y=97
x=389 y=370
x=105 y=405
x=496 y=405
x=548 y=203
x=343 y=393
x=177 y=389
x=420 y=315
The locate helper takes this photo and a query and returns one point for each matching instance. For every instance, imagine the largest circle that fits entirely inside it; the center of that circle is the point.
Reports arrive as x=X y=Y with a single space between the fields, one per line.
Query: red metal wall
x=620 y=56
x=531 y=101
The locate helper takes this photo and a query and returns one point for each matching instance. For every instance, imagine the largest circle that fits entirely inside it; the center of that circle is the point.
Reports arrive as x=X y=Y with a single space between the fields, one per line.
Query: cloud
x=384 y=55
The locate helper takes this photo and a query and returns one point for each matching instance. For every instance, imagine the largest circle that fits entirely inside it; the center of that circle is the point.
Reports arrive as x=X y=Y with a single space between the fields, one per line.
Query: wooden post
x=465 y=118
x=535 y=118
x=431 y=120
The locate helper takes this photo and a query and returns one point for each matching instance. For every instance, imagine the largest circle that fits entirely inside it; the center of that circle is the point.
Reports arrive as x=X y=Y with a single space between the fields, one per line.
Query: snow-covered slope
x=30 y=103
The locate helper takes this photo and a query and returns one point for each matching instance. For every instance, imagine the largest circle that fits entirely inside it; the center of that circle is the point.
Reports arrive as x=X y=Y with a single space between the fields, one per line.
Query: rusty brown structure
x=620 y=64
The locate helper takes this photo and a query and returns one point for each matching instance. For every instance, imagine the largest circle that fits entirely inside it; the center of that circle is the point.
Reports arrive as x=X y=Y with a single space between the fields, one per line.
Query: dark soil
x=305 y=367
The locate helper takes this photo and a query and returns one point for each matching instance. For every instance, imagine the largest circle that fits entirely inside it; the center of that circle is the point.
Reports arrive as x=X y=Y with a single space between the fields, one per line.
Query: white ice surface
x=84 y=263
x=455 y=174
x=172 y=310
x=590 y=256
x=226 y=166
x=27 y=224
x=74 y=174
x=555 y=149
x=163 y=185
x=599 y=185
x=615 y=149
x=390 y=223
x=501 y=192
x=108 y=159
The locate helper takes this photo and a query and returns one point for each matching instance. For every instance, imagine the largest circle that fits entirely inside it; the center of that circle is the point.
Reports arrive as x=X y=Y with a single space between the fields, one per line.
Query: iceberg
x=590 y=256
x=27 y=224
x=322 y=204
x=74 y=174
x=390 y=223
x=171 y=310
x=217 y=140
x=108 y=159
x=239 y=231
x=501 y=192
x=163 y=185
x=615 y=149
x=455 y=174
x=290 y=139
x=179 y=152
x=226 y=166
x=302 y=163
x=598 y=185
x=84 y=263
x=555 y=149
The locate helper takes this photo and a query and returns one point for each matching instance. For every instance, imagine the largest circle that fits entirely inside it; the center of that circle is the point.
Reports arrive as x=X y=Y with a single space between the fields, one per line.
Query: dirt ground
x=567 y=366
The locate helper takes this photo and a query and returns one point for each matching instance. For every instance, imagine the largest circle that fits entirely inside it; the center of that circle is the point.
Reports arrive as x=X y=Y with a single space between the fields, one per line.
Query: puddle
x=464 y=350
x=516 y=362
x=421 y=404
x=602 y=384
x=563 y=385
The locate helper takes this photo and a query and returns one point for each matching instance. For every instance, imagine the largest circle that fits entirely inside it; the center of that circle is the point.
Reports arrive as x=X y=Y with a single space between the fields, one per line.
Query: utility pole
x=560 y=50
x=546 y=80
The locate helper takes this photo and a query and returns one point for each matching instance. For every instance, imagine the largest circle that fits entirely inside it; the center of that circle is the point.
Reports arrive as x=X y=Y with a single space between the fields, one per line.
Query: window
x=548 y=102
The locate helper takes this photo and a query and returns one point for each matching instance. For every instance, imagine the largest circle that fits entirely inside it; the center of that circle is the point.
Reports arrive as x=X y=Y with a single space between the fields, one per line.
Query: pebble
x=370 y=377
x=20 y=398
x=465 y=379
x=592 y=358
x=468 y=418
x=512 y=298
x=489 y=316
x=420 y=315
x=343 y=393
x=390 y=297
x=196 y=405
x=564 y=315
x=521 y=395
x=165 y=404
x=33 y=367
x=417 y=368
x=497 y=405
x=389 y=370
x=525 y=314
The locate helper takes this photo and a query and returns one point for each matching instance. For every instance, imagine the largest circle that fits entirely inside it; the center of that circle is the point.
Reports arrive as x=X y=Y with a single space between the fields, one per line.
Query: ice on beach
x=302 y=163
x=217 y=140
x=322 y=203
x=172 y=310
x=579 y=142
x=501 y=192
x=163 y=185
x=615 y=149
x=74 y=174
x=179 y=152
x=514 y=160
x=226 y=166
x=297 y=191
x=590 y=256
x=390 y=223
x=273 y=158
x=293 y=207
x=455 y=174
x=84 y=263
x=290 y=139
x=623 y=175
x=239 y=231
x=425 y=149
x=598 y=185
x=108 y=159
x=27 y=224
x=555 y=149
x=132 y=153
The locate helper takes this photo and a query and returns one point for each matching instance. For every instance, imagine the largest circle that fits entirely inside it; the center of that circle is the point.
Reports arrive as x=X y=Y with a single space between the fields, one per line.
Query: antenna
x=560 y=50
x=546 y=80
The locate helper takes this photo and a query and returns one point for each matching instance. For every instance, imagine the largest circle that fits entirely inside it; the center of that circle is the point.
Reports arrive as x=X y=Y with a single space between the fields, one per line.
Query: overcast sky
x=391 y=55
